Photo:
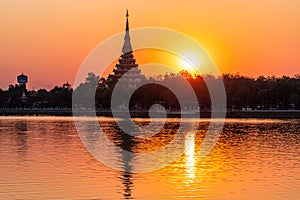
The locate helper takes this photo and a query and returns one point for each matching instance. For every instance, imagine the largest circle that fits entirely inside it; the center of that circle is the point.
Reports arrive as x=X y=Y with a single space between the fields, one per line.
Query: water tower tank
x=22 y=79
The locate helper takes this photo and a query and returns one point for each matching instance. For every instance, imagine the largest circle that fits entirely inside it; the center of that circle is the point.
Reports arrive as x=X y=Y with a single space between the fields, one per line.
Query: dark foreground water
x=43 y=158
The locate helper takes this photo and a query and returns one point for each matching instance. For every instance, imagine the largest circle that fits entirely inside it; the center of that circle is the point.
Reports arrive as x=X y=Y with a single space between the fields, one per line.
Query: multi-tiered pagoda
x=127 y=63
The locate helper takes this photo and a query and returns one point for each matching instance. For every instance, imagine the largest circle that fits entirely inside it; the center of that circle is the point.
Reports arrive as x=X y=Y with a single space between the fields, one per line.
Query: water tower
x=22 y=80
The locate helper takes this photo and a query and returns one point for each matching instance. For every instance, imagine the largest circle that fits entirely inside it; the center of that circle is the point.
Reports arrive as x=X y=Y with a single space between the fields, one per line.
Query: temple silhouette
x=127 y=63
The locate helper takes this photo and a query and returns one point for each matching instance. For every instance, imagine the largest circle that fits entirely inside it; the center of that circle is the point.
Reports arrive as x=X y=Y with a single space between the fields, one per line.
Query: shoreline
x=276 y=114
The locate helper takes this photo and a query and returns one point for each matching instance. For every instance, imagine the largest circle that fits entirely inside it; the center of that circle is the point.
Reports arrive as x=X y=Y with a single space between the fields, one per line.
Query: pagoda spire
x=127 y=23
x=127 y=45
x=127 y=64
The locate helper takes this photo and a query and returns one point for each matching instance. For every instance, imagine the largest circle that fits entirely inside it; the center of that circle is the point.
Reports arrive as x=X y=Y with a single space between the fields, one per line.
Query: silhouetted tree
x=242 y=92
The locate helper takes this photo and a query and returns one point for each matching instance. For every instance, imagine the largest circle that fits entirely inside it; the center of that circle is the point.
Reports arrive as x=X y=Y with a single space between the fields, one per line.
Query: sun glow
x=187 y=62
x=151 y=61
x=184 y=64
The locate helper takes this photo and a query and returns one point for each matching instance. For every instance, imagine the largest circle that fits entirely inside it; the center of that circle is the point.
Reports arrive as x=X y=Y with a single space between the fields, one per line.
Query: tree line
x=242 y=93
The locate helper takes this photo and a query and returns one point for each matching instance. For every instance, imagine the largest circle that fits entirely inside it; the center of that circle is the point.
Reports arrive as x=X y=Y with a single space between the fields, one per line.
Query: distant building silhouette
x=22 y=80
x=67 y=86
x=127 y=63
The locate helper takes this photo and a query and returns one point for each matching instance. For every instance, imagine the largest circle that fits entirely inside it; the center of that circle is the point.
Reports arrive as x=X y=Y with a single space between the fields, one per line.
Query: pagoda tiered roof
x=127 y=63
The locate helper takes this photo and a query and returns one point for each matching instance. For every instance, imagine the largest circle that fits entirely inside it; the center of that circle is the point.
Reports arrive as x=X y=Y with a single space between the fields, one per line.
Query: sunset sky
x=48 y=40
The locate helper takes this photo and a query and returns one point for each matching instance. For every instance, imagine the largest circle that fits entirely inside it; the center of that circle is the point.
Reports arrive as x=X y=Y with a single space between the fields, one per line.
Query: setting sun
x=185 y=63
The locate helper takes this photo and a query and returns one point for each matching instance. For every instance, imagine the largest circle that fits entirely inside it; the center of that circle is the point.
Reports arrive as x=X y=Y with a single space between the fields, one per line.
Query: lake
x=44 y=158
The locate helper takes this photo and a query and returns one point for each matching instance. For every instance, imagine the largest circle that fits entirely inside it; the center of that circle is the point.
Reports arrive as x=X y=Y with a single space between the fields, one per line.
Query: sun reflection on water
x=190 y=161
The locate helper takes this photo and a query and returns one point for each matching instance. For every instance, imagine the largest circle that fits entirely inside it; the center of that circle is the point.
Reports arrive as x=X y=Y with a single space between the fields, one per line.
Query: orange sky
x=48 y=40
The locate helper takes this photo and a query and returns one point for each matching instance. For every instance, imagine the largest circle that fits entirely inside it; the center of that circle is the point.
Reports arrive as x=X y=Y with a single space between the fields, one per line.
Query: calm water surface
x=43 y=158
